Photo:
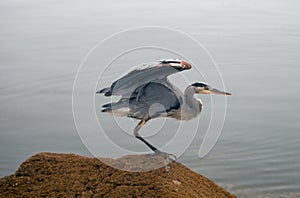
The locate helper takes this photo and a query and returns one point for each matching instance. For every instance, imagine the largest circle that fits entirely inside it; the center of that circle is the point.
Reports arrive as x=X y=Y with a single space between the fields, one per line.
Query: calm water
x=256 y=45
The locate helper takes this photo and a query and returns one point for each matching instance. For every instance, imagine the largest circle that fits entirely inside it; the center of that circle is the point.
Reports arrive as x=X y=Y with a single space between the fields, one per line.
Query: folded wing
x=153 y=100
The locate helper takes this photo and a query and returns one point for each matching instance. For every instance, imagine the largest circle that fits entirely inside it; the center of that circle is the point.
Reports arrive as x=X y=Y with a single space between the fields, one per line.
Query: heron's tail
x=107 y=110
x=120 y=107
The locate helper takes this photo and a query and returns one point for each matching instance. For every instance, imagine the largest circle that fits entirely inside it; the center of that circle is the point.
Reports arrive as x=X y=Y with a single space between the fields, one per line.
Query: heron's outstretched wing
x=153 y=72
x=153 y=100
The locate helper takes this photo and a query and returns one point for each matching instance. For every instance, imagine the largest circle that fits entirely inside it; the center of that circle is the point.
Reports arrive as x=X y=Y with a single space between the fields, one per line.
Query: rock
x=69 y=175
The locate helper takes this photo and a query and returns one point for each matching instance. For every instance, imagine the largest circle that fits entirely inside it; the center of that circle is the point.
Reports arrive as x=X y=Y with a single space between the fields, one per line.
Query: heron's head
x=176 y=64
x=203 y=88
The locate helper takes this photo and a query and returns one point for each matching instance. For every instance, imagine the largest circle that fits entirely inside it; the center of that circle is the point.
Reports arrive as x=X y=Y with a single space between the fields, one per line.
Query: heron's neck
x=192 y=106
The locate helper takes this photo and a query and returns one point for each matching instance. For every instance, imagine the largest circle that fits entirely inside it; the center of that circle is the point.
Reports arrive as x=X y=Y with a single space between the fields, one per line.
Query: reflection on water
x=255 y=44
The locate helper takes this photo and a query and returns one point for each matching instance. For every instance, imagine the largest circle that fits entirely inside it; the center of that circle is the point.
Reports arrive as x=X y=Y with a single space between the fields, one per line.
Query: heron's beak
x=216 y=91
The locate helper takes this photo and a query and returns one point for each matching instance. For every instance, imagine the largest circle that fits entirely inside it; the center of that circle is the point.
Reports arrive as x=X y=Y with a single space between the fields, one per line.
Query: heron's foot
x=170 y=157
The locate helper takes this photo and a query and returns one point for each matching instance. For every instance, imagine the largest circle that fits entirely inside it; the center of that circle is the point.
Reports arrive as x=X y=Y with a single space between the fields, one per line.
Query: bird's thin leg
x=169 y=157
x=138 y=136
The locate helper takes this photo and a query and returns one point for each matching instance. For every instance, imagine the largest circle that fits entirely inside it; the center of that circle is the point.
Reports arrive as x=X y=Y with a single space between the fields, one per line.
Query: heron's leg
x=138 y=136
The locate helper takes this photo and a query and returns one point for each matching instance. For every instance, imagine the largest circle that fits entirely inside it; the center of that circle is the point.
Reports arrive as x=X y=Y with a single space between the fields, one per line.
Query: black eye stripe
x=200 y=85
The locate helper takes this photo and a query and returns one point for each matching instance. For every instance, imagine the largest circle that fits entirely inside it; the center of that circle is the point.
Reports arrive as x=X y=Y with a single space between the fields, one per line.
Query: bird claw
x=170 y=157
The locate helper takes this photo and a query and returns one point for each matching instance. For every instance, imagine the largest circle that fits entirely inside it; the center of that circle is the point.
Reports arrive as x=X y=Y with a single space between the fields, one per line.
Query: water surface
x=255 y=43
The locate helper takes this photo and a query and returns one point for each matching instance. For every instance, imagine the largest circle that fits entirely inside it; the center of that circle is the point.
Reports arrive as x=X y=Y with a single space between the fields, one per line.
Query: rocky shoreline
x=70 y=175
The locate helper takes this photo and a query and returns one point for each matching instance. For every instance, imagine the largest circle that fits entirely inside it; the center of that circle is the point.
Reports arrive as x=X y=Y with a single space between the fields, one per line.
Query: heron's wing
x=153 y=100
x=153 y=72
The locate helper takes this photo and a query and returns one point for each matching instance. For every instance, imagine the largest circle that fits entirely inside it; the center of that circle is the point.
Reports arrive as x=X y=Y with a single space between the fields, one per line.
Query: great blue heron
x=148 y=85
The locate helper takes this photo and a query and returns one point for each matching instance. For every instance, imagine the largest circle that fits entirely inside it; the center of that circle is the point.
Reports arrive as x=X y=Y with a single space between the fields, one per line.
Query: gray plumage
x=151 y=72
x=146 y=93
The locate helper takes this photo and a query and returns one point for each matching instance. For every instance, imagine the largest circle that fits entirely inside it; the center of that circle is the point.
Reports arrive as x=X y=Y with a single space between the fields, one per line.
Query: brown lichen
x=69 y=175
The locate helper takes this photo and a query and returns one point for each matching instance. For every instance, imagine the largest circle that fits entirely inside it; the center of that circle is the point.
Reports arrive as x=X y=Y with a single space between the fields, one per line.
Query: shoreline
x=70 y=175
